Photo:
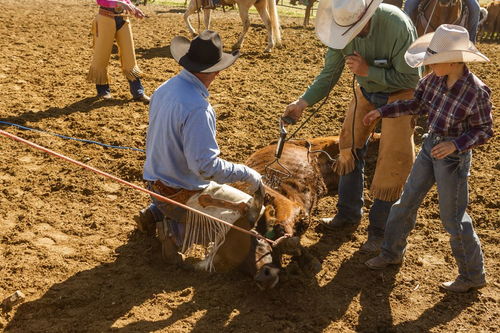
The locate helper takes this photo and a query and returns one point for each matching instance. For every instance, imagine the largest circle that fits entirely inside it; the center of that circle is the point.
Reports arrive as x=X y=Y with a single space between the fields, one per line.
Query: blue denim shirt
x=181 y=149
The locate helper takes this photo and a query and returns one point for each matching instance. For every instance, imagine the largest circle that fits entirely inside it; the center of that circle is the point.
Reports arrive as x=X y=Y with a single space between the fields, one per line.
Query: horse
x=432 y=13
x=489 y=26
x=266 y=9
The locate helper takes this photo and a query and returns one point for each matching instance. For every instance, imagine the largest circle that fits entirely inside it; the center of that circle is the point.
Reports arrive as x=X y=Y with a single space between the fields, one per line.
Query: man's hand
x=357 y=64
x=443 y=149
x=133 y=10
x=294 y=110
x=370 y=117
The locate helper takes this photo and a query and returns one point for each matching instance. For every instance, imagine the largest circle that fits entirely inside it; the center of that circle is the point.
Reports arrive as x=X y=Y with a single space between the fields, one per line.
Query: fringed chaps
x=222 y=201
x=396 y=150
x=104 y=33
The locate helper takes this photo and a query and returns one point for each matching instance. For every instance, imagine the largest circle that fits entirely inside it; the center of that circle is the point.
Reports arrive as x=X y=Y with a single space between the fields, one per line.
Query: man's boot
x=168 y=247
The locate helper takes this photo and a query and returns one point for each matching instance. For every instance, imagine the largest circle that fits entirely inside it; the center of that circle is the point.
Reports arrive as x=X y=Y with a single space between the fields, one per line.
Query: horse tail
x=275 y=21
x=483 y=15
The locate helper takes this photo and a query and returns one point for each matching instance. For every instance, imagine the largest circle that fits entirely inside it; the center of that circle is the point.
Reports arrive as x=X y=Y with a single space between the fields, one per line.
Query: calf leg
x=308 y=263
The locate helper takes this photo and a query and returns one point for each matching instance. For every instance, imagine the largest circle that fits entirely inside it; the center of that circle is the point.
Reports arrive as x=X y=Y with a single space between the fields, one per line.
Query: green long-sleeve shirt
x=391 y=33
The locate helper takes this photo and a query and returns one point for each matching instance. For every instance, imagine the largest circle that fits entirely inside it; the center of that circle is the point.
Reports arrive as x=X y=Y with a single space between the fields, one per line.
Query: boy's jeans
x=472 y=21
x=450 y=174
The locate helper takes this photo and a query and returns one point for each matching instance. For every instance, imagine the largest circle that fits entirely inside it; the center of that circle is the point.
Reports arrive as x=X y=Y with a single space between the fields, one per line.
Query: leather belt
x=178 y=194
x=109 y=13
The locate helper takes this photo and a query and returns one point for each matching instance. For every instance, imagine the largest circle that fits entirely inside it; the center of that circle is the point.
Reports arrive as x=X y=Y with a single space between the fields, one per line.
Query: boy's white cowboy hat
x=339 y=21
x=449 y=43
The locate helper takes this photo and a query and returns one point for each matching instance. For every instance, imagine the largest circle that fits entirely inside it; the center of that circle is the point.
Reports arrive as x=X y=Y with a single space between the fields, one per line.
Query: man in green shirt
x=371 y=39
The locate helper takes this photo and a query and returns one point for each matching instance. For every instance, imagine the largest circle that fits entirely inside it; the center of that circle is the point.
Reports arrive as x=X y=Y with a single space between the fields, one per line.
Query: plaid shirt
x=462 y=112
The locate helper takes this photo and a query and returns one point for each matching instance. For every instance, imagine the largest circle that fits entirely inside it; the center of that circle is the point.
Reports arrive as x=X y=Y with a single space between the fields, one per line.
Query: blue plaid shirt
x=462 y=112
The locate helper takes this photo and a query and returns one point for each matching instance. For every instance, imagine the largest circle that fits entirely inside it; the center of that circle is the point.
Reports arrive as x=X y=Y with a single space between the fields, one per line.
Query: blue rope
x=70 y=138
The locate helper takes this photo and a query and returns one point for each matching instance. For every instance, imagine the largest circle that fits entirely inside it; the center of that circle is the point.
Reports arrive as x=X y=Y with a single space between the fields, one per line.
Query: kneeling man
x=182 y=155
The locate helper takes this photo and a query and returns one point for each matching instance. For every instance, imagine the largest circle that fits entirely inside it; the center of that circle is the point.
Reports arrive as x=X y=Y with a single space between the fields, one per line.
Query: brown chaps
x=396 y=152
x=104 y=32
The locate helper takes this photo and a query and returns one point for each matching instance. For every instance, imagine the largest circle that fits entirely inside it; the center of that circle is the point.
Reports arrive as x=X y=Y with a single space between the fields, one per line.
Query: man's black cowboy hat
x=203 y=54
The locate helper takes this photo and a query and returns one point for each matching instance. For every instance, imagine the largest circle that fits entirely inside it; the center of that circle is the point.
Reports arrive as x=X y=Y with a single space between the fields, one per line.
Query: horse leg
x=308 y=13
x=243 y=9
x=192 y=7
x=206 y=17
x=264 y=15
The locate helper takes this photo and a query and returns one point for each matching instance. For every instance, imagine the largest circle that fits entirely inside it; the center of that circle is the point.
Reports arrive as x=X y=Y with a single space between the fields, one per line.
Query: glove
x=254 y=180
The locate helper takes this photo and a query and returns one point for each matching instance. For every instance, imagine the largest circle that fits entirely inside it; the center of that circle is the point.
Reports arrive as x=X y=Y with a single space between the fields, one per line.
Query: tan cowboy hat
x=449 y=43
x=339 y=21
x=203 y=54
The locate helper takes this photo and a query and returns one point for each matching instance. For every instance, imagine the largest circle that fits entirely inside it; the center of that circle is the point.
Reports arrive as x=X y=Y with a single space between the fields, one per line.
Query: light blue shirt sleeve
x=202 y=152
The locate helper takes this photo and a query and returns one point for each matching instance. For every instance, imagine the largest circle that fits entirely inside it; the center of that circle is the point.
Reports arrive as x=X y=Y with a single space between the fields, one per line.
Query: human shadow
x=351 y=280
x=95 y=299
x=448 y=308
x=154 y=52
x=82 y=106
x=102 y=298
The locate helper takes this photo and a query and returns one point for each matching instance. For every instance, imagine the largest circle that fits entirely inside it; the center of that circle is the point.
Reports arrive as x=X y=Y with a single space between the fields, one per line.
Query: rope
x=430 y=18
x=71 y=138
x=119 y=180
x=353 y=149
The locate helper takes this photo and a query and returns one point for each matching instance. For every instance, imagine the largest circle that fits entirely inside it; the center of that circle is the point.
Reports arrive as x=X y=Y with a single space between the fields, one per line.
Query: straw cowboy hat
x=449 y=43
x=339 y=21
x=203 y=54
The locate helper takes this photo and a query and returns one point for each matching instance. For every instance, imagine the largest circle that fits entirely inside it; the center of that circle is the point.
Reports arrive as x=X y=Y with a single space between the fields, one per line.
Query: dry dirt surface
x=68 y=239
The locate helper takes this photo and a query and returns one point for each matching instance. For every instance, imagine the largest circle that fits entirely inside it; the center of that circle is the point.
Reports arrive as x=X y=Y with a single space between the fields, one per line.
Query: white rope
x=430 y=18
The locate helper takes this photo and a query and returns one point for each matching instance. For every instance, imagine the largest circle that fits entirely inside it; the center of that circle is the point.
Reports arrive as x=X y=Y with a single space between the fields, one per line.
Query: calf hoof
x=309 y=265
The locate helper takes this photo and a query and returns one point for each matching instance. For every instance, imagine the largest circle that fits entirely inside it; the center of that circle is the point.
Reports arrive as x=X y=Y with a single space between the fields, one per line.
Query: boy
x=459 y=110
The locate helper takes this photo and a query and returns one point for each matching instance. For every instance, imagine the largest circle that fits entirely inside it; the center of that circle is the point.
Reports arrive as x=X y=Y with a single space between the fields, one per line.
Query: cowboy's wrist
x=302 y=103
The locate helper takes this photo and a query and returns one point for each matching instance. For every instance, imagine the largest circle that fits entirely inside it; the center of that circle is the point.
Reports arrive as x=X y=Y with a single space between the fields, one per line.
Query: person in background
x=459 y=109
x=112 y=23
x=472 y=19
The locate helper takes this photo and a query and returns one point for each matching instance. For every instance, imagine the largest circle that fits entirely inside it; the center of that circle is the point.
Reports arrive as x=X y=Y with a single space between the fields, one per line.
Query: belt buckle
x=437 y=139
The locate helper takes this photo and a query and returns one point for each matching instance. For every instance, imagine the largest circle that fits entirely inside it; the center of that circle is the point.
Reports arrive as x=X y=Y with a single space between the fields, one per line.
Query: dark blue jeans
x=350 y=202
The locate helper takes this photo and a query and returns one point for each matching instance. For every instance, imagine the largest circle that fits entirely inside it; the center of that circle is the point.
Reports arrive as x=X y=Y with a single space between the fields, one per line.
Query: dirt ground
x=68 y=240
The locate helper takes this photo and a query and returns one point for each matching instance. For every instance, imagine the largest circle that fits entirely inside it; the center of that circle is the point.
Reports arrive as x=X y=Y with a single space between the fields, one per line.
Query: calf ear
x=270 y=212
x=256 y=204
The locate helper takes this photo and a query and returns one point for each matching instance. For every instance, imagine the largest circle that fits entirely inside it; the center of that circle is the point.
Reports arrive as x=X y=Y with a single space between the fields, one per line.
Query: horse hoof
x=268 y=50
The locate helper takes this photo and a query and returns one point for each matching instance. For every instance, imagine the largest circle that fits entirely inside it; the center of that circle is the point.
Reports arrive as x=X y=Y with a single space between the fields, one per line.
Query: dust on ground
x=67 y=235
